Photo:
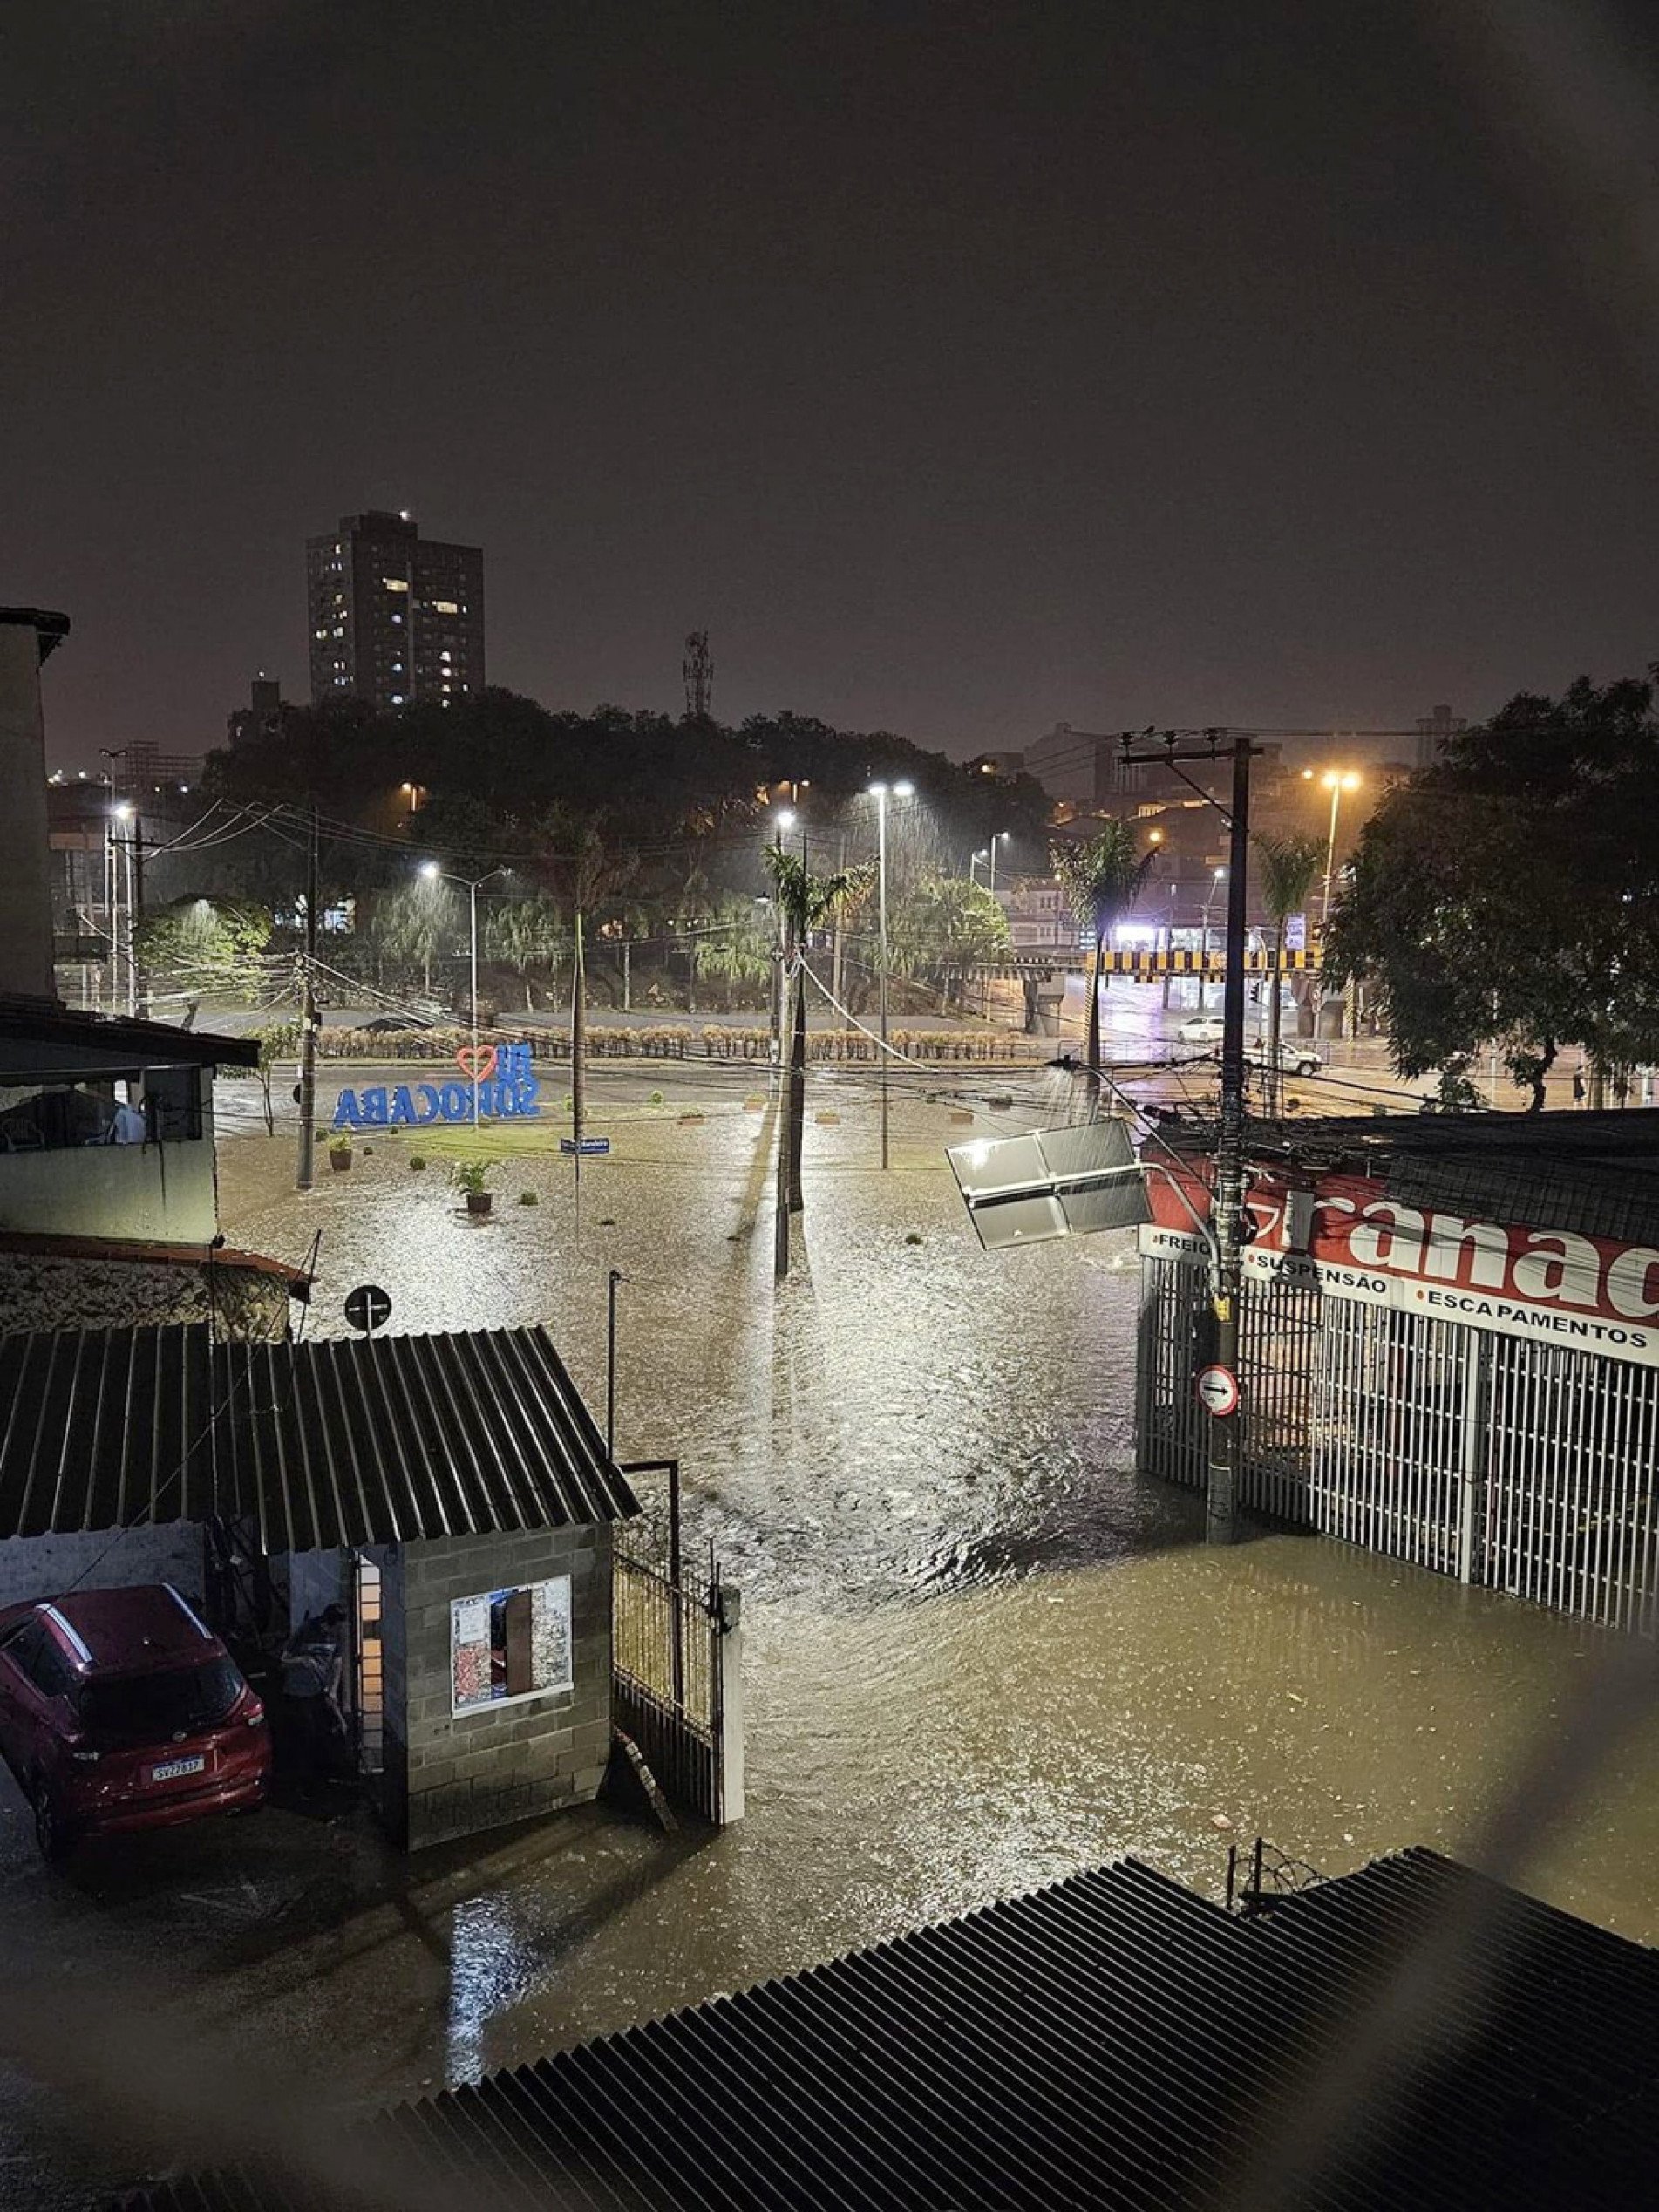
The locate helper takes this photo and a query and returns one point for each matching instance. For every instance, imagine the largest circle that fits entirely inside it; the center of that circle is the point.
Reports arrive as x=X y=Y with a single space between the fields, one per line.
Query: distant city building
x=1432 y=730
x=265 y=716
x=141 y=773
x=1085 y=768
x=396 y=618
x=1038 y=918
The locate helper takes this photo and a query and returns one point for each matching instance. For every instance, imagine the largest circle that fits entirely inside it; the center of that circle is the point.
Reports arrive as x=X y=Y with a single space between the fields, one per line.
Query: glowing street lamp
x=988 y=853
x=1336 y=781
x=1217 y=876
x=471 y=885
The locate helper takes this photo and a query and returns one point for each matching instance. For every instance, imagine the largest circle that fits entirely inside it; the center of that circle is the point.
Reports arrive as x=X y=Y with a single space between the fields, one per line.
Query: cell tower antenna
x=699 y=671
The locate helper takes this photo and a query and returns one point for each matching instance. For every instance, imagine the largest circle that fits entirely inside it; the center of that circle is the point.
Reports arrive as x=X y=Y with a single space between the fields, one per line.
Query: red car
x=120 y=1709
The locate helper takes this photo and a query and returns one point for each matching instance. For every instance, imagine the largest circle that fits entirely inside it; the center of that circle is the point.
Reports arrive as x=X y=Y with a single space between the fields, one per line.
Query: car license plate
x=169 y=1767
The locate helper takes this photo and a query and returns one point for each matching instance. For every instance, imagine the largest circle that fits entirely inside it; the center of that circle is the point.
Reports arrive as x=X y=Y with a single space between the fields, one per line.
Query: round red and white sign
x=1218 y=1391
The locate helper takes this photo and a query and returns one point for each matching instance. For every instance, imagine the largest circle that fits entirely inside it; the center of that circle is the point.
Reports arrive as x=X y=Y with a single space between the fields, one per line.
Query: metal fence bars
x=1523 y=1467
x=666 y=1684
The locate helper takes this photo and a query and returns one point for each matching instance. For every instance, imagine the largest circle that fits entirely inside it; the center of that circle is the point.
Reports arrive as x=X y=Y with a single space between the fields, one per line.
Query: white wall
x=315 y=1579
x=36 y=1567
x=160 y=1194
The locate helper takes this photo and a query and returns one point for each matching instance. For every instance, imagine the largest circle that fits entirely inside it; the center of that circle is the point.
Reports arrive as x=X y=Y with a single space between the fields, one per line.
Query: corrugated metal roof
x=1115 y=2040
x=157 y=1043
x=379 y=1439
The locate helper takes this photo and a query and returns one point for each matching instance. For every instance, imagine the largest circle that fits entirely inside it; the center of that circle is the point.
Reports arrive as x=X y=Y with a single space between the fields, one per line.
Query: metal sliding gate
x=1526 y=1467
x=667 y=1681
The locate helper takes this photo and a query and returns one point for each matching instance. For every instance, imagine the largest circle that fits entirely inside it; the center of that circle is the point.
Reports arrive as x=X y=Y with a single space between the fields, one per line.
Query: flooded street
x=979 y=1655
x=979 y=1652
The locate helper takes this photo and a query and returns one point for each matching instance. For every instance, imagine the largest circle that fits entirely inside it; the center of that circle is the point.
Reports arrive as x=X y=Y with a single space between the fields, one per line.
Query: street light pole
x=782 y=821
x=610 y=1361
x=879 y=792
x=308 y=1010
x=473 y=886
x=1336 y=784
x=1204 y=937
x=472 y=918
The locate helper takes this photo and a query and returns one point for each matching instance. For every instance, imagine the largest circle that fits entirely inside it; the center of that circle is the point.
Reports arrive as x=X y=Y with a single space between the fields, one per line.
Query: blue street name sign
x=510 y=1089
x=569 y=1147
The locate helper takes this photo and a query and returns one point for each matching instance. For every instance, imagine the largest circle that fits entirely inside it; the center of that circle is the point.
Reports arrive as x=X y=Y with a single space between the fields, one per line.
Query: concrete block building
x=452 y=1491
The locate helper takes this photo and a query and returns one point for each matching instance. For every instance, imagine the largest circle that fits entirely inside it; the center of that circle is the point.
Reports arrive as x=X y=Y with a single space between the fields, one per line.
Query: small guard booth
x=452 y=1491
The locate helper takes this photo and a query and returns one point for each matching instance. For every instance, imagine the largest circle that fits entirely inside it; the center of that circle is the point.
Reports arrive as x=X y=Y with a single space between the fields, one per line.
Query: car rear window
x=137 y=1707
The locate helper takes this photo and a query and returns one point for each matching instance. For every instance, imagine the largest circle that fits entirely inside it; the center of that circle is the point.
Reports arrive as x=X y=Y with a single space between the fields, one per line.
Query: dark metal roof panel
x=1114 y=2040
x=381 y=1439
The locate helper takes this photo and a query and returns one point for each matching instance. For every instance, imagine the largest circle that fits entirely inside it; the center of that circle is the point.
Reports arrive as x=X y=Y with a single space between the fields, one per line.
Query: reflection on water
x=979 y=1654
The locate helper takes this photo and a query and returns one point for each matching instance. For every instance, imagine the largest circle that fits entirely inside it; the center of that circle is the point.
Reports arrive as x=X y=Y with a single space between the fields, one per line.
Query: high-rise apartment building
x=396 y=618
x=1432 y=731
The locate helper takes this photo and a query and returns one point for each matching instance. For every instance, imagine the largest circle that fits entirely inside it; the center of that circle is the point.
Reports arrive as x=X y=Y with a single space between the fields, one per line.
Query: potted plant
x=470 y=1177
x=340 y=1153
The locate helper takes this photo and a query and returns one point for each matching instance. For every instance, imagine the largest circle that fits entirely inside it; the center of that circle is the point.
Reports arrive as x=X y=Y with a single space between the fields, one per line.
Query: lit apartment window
x=445 y=655
x=395 y=583
x=397 y=698
x=397 y=668
x=339 y=630
x=445 y=607
x=321 y=633
x=398 y=618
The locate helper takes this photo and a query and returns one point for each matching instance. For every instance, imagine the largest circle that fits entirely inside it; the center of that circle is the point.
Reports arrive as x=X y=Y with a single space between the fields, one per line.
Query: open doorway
x=367 y=1665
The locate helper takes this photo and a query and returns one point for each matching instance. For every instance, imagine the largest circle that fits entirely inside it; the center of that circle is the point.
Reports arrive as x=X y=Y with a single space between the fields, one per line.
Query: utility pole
x=578 y=1044
x=788 y=983
x=307 y=1016
x=1226 y=1208
x=136 y=917
x=798 y=1058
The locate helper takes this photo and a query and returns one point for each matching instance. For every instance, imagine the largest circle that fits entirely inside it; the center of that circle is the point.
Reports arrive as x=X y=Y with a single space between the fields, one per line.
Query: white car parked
x=1200 y=1029
x=1297 y=1055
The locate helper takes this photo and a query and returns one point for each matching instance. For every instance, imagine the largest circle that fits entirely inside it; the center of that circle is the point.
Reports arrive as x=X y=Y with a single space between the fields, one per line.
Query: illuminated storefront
x=1446 y=1356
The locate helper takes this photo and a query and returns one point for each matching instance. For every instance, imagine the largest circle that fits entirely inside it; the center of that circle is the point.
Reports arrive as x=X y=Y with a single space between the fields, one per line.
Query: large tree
x=1102 y=877
x=1510 y=892
x=945 y=927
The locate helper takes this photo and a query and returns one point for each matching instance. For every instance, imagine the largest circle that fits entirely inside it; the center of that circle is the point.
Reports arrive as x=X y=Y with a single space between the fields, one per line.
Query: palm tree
x=806 y=902
x=525 y=933
x=1287 y=869
x=740 y=943
x=1102 y=877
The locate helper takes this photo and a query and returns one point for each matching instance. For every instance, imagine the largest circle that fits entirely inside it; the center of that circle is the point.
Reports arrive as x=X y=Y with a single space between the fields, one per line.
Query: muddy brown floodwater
x=980 y=1655
x=979 y=1652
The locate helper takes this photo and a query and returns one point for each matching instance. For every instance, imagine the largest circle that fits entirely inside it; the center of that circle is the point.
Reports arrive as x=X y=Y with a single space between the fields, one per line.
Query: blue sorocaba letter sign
x=506 y=1086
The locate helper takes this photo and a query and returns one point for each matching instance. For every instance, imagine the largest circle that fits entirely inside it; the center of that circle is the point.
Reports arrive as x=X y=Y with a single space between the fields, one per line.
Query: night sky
x=960 y=368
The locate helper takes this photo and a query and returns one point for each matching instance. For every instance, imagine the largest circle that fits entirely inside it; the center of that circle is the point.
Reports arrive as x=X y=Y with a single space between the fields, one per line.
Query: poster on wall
x=509 y=1644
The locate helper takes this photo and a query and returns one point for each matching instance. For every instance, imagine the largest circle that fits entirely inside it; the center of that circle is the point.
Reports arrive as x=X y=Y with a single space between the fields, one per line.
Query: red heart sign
x=477 y=1061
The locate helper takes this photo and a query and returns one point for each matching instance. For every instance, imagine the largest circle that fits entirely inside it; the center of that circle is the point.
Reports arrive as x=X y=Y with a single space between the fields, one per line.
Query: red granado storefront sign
x=1344 y=1231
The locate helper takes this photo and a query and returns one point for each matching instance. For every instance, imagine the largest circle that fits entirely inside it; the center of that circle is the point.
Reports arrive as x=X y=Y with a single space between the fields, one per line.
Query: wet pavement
x=979 y=1654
